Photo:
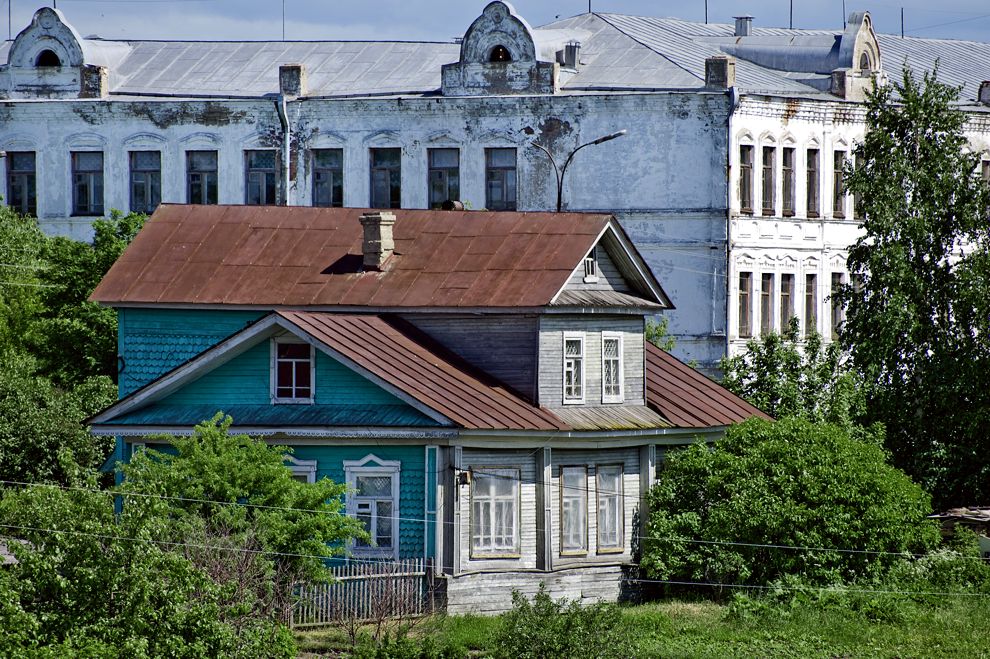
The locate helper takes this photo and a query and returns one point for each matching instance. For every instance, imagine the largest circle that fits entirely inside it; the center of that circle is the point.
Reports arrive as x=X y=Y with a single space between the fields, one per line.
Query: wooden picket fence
x=366 y=591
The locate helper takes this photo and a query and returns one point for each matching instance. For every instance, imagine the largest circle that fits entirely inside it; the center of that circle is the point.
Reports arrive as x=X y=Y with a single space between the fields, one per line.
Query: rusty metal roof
x=611 y=417
x=408 y=360
x=687 y=398
x=302 y=257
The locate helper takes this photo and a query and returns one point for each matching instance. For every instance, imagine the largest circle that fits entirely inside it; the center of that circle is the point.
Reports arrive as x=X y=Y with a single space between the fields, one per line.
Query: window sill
x=813 y=215
x=746 y=211
x=574 y=554
x=613 y=401
x=292 y=401
x=788 y=213
x=611 y=551
x=573 y=402
x=486 y=557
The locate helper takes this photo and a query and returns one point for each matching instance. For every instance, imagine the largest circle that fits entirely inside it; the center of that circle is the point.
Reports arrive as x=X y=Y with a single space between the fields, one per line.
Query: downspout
x=734 y=101
x=283 y=119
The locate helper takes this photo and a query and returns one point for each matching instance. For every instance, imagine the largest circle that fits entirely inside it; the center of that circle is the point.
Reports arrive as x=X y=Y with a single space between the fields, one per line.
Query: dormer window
x=47 y=58
x=591 y=266
x=500 y=54
x=292 y=372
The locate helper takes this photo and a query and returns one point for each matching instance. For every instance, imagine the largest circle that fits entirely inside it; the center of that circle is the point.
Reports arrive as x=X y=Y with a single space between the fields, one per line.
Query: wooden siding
x=609 y=277
x=551 y=366
x=246 y=379
x=503 y=346
x=152 y=342
x=330 y=464
x=525 y=462
x=629 y=459
x=491 y=593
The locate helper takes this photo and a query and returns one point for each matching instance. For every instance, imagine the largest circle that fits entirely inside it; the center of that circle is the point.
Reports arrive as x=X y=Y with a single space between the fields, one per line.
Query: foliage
x=70 y=324
x=918 y=319
x=658 y=334
x=403 y=646
x=21 y=244
x=790 y=483
x=90 y=582
x=235 y=491
x=41 y=434
x=547 y=628
x=784 y=378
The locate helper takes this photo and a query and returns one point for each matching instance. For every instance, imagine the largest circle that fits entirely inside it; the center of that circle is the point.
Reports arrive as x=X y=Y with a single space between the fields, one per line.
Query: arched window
x=500 y=54
x=864 y=62
x=47 y=58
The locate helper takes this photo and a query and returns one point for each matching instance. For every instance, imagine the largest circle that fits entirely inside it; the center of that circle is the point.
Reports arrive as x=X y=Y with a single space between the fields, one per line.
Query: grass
x=686 y=628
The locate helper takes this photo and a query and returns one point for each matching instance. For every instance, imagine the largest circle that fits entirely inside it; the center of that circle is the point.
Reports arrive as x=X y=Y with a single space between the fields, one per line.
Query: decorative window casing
x=745 y=304
x=574 y=372
x=146 y=180
x=22 y=190
x=787 y=176
x=293 y=371
x=612 y=368
x=766 y=303
x=495 y=513
x=838 y=189
x=786 y=300
x=769 y=180
x=87 y=183
x=810 y=304
x=302 y=470
x=328 y=177
x=812 y=164
x=386 y=178
x=611 y=515
x=373 y=498
x=838 y=311
x=444 y=176
x=574 y=510
x=746 y=179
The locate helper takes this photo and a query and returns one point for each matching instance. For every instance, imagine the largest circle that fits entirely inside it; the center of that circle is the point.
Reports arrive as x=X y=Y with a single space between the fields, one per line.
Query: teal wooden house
x=480 y=380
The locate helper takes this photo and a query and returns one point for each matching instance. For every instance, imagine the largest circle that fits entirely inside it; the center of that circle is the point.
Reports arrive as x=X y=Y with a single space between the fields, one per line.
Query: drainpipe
x=283 y=119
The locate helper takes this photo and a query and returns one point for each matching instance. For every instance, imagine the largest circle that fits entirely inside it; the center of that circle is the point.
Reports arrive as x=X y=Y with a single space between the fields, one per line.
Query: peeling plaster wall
x=665 y=180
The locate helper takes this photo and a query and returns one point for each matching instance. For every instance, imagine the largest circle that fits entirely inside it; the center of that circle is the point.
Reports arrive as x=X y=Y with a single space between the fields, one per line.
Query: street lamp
x=560 y=171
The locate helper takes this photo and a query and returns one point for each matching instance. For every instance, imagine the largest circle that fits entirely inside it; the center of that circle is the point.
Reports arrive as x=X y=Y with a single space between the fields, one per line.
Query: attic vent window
x=864 y=62
x=500 y=54
x=591 y=266
x=47 y=58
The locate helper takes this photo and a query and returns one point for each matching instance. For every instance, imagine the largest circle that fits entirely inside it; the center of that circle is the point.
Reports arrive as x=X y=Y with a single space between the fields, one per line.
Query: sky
x=442 y=20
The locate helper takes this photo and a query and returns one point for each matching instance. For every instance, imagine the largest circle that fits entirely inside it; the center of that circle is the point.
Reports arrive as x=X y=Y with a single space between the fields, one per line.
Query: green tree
x=784 y=377
x=918 y=317
x=68 y=323
x=789 y=483
x=94 y=583
x=21 y=246
x=236 y=490
x=41 y=433
x=656 y=332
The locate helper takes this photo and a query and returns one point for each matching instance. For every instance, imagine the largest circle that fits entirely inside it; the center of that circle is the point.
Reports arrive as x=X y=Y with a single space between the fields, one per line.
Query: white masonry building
x=726 y=178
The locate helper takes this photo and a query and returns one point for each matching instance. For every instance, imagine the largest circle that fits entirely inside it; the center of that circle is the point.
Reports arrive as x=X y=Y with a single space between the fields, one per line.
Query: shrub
x=547 y=628
x=797 y=485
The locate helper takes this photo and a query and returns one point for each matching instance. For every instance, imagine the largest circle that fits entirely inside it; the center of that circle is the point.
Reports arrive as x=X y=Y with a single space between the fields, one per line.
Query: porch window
x=495 y=513
x=292 y=372
x=573 y=510
x=610 y=516
x=573 y=368
x=373 y=498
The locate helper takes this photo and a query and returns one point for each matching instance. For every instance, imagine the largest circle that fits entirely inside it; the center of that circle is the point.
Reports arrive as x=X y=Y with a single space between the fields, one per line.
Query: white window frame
x=299 y=467
x=573 y=400
x=582 y=514
x=372 y=465
x=490 y=550
x=273 y=372
x=620 y=367
x=620 y=522
x=591 y=266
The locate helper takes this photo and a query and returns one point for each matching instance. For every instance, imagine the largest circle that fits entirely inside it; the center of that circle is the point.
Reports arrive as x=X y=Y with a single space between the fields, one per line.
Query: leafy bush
x=547 y=628
x=403 y=646
x=798 y=485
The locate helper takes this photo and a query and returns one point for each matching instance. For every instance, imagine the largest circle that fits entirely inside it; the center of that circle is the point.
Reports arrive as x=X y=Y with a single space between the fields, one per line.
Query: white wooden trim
x=573 y=336
x=273 y=371
x=372 y=465
x=617 y=336
x=299 y=467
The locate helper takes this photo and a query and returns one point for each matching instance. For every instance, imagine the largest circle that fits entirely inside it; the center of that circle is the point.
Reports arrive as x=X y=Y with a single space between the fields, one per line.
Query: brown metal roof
x=300 y=256
x=398 y=354
x=611 y=417
x=687 y=398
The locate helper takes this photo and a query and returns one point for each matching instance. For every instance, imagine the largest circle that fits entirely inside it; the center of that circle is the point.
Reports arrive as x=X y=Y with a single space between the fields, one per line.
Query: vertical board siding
x=501 y=345
x=609 y=277
x=330 y=464
x=551 y=381
x=246 y=380
x=152 y=342
x=525 y=462
x=629 y=459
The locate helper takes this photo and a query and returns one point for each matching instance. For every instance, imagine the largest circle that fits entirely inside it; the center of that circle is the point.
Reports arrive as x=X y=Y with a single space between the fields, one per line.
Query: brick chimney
x=292 y=79
x=378 y=244
x=720 y=72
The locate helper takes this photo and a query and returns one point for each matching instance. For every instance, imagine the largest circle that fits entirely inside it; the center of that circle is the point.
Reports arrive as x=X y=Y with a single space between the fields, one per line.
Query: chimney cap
x=744 y=25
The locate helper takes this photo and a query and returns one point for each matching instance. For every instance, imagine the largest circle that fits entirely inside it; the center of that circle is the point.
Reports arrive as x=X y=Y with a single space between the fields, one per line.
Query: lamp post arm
x=556 y=170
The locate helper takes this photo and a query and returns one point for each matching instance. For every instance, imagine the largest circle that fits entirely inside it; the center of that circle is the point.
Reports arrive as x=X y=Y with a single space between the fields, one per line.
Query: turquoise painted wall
x=412 y=492
x=154 y=341
x=246 y=380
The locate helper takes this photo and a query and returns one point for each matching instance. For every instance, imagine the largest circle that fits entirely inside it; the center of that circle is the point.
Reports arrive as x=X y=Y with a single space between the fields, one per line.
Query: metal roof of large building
x=618 y=52
x=276 y=256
